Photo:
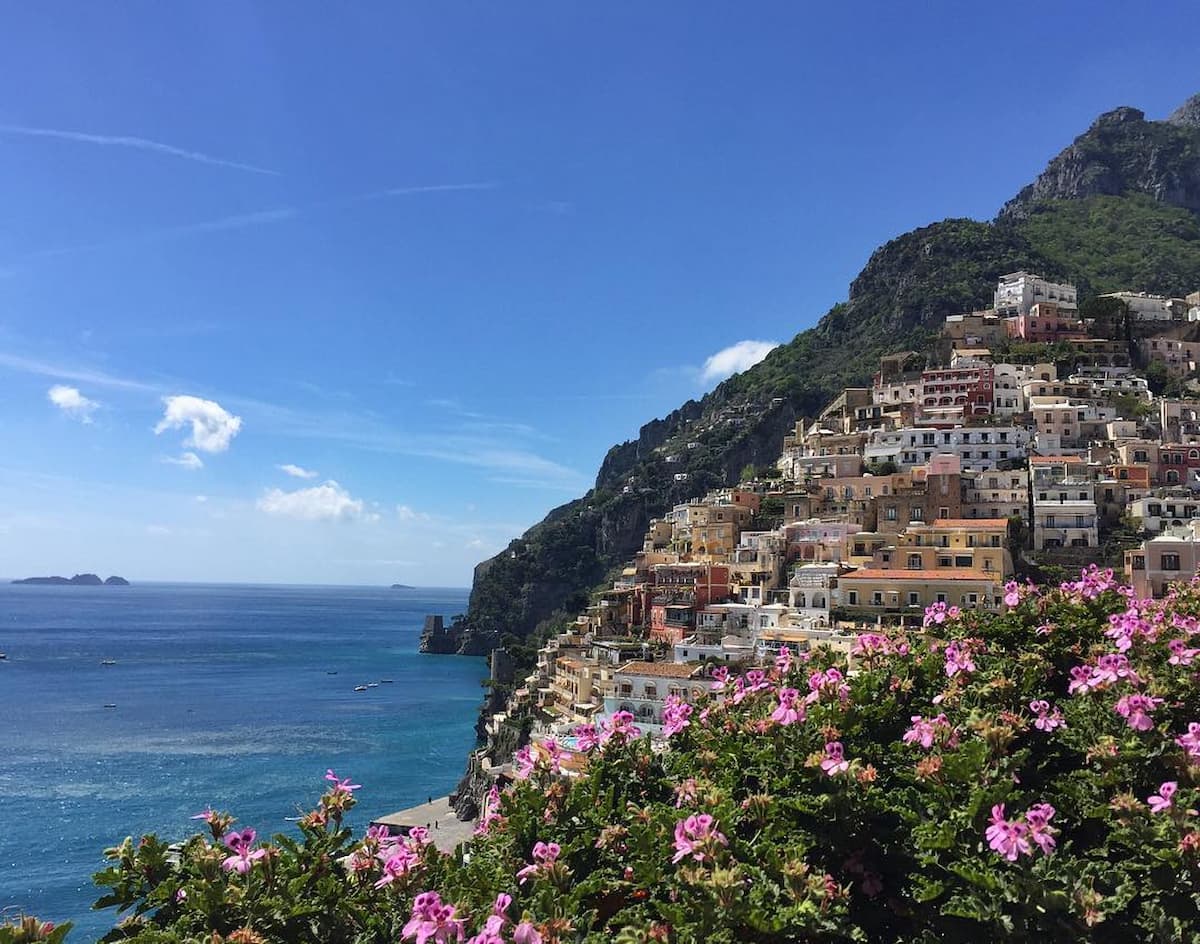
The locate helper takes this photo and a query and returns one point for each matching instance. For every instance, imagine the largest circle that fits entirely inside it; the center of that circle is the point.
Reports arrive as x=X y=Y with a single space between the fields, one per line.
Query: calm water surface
x=234 y=696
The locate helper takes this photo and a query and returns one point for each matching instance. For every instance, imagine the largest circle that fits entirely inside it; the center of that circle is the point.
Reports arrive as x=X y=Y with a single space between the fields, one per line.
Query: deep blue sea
x=234 y=696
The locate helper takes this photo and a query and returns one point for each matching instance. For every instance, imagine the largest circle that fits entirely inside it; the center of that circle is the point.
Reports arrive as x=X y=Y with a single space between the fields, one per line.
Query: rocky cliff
x=1123 y=153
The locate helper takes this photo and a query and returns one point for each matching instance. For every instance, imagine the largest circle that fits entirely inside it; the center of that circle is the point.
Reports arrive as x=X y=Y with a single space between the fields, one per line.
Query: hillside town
x=1031 y=440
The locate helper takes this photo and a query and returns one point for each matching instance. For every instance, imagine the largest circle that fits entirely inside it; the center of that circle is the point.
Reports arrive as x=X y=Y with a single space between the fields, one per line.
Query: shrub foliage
x=1027 y=775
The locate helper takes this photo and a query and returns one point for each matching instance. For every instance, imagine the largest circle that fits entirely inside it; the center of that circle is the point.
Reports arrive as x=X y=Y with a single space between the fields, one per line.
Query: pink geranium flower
x=545 y=854
x=1135 y=709
x=925 y=731
x=676 y=713
x=587 y=738
x=1190 y=742
x=243 y=858
x=1007 y=838
x=341 y=786
x=834 y=763
x=958 y=659
x=1162 y=801
x=1041 y=832
x=1047 y=719
x=433 y=920
x=698 y=837
x=790 y=709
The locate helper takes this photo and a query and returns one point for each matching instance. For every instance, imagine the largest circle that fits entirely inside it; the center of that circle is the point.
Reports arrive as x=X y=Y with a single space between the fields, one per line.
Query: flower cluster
x=697 y=837
x=1015 y=838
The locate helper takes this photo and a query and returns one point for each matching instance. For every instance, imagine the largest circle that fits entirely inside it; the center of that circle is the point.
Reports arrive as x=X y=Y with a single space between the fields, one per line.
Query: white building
x=994 y=494
x=1007 y=396
x=1017 y=292
x=1064 y=515
x=1160 y=510
x=1114 y=381
x=1145 y=307
x=977 y=447
x=810 y=591
x=641 y=688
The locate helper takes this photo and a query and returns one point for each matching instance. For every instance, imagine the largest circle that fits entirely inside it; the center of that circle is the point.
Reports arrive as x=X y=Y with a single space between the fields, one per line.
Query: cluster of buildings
x=1029 y=439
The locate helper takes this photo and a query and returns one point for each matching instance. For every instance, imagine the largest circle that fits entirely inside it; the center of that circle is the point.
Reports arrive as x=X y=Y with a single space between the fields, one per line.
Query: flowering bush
x=1028 y=775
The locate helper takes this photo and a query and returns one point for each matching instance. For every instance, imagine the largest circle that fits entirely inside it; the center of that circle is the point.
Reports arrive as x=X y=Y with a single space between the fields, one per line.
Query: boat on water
x=110 y=705
x=372 y=684
x=3 y=656
x=108 y=661
x=360 y=688
x=386 y=681
x=331 y=673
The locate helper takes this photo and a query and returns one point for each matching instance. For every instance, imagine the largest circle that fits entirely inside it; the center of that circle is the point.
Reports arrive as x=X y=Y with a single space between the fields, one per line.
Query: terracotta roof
x=970 y=523
x=659 y=669
x=1046 y=460
x=922 y=575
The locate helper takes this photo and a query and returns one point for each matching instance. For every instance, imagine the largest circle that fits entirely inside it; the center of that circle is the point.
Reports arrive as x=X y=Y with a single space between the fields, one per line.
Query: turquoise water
x=224 y=696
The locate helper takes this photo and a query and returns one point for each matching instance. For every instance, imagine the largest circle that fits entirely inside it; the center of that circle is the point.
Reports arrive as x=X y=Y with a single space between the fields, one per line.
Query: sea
x=234 y=696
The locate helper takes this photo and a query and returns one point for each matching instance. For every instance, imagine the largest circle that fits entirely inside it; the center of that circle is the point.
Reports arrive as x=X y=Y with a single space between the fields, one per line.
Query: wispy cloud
x=233 y=222
x=187 y=460
x=131 y=141
x=297 y=471
x=84 y=375
x=433 y=188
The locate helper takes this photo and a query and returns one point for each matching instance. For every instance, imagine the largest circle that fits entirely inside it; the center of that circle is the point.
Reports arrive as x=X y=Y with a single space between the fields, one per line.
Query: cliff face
x=1116 y=209
x=1123 y=153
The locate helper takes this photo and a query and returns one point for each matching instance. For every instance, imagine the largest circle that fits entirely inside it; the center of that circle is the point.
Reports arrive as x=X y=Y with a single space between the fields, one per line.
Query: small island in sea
x=79 y=580
x=402 y=586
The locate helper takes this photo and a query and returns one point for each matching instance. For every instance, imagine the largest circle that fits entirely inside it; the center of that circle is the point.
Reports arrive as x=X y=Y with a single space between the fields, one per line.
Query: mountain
x=1118 y=209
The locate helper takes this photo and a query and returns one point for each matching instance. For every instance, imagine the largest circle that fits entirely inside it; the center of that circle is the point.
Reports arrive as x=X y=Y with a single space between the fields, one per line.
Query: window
x=1139 y=561
x=651 y=690
x=941 y=598
x=914 y=598
x=945 y=562
x=962 y=560
x=877 y=598
x=889 y=513
x=943 y=511
x=916 y=514
x=1170 y=562
x=852 y=597
x=914 y=561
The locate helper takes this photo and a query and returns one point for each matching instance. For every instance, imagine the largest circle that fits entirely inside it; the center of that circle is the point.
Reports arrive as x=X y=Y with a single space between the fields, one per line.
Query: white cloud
x=405 y=513
x=129 y=141
x=735 y=358
x=201 y=499
x=73 y=403
x=325 y=502
x=213 y=427
x=297 y=471
x=157 y=530
x=188 y=460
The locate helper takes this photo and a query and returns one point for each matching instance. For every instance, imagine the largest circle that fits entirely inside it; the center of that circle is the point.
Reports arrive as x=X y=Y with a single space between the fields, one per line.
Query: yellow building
x=901 y=595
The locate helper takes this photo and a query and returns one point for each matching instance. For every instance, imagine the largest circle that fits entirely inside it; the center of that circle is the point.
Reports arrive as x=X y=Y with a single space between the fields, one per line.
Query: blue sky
x=438 y=257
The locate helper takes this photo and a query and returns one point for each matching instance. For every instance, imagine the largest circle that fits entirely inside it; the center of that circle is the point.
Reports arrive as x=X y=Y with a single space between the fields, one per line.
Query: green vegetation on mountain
x=1116 y=210
x=1109 y=244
